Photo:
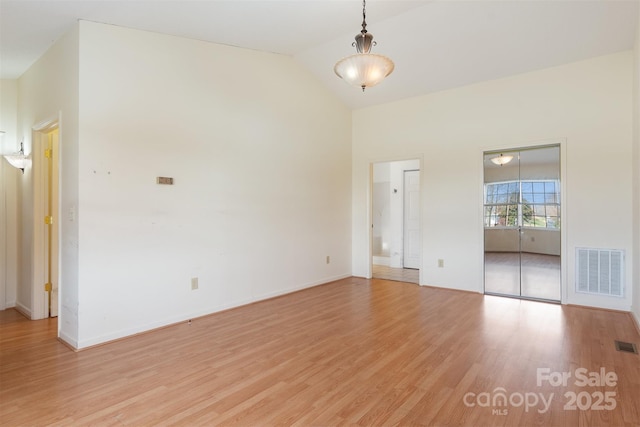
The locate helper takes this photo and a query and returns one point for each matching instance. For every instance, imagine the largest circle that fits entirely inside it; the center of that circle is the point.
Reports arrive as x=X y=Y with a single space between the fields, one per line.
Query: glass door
x=522 y=223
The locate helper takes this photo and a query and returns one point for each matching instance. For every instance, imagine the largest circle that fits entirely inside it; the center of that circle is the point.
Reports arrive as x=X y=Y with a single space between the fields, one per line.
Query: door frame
x=562 y=143
x=40 y=141
x=404 y=216
x=420 y=159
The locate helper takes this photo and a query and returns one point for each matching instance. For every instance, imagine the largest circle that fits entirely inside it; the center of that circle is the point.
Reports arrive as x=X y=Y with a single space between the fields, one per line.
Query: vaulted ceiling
x=436 y=45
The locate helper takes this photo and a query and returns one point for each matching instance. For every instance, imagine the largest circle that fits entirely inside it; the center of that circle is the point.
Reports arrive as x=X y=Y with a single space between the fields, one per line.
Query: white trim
x=68 y=340
x=192 y=315
x=307 y=285
x=381 y=260
x=23 y=309
x=39 y=143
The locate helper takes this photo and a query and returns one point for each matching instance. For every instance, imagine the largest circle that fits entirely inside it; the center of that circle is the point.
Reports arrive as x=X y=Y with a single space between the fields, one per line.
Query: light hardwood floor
x=409 y=275
x=356 y=351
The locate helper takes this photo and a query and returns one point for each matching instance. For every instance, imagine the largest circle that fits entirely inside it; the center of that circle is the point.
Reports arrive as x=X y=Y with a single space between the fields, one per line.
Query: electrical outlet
x=194 y=283
x=441 y=263
x=328 y=259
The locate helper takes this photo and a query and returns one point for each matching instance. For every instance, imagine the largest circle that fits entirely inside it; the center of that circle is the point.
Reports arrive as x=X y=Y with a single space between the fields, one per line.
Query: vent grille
x=629 y=347
x=600 y=271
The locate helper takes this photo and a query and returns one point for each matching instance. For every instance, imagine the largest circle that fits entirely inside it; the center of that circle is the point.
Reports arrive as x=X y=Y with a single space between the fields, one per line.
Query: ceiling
x=436 y=45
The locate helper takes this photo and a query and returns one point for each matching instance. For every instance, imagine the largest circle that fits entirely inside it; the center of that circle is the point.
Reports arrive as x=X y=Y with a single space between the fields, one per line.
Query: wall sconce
x=18 y=160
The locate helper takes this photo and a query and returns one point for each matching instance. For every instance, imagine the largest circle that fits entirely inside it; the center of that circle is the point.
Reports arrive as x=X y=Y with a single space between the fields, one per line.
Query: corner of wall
x=635 y=288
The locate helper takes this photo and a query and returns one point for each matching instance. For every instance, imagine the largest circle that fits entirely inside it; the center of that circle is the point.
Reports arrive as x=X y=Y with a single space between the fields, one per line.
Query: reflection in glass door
x=522 y=223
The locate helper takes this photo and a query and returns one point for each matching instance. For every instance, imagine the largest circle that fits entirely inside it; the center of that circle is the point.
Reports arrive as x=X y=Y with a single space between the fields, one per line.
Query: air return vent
x=629 y=347
x=600 y=271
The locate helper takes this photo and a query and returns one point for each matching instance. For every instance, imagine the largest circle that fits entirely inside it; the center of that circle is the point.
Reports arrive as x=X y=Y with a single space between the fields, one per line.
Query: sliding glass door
x=522 y=223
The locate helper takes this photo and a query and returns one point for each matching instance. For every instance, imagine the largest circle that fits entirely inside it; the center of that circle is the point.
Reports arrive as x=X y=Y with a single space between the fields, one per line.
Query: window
x=534 y=204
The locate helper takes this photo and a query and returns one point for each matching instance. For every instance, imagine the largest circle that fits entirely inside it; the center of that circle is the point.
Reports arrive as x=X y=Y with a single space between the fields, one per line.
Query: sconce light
x=18 y=160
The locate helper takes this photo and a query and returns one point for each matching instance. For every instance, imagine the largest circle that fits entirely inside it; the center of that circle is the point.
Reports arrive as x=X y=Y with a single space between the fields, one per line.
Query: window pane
x=550 y=187
x=539 y=210
x=538 y=198
x=512 y=215
x=539 y=204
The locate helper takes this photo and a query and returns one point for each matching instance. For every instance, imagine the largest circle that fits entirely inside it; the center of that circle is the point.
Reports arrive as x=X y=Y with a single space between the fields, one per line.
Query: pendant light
x=364 y=69
x=501 y=160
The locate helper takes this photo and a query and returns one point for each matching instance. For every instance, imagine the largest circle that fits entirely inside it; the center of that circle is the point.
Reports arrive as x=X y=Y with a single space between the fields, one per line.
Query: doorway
x=46 y=220
x=522 y=238
x=395 y=213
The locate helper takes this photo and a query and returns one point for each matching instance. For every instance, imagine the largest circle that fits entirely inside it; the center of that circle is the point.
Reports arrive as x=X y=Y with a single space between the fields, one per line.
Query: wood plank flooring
x=409 y=275
x=352 y=352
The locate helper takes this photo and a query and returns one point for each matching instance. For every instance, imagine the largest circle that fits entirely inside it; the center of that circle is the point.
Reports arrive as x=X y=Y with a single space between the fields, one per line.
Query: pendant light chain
x=364 y=16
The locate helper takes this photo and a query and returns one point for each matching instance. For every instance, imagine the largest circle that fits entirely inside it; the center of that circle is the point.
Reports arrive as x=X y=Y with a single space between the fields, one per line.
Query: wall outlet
x=440 y=263
x=328 y=259
x=194 y=283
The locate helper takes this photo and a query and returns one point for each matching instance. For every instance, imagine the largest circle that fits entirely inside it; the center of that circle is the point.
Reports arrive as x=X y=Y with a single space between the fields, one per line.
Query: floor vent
x=628 y=347
x=600 y=271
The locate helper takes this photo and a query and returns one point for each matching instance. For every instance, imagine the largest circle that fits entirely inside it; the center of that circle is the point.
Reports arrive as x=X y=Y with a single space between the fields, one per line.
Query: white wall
x=587 y=103
x=9 y=177
x=636 y=176
x=49 y=91
x=261 y=157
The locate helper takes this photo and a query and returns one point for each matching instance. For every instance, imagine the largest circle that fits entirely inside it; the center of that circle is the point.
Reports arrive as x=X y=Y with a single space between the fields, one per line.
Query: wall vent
x=600 y=271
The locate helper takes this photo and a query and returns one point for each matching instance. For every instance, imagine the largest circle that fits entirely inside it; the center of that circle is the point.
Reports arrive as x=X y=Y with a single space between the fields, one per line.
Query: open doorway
x=395 y=213
x=46 y=220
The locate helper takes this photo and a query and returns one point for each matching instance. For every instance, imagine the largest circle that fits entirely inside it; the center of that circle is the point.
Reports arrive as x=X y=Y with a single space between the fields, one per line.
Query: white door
x=411 y=258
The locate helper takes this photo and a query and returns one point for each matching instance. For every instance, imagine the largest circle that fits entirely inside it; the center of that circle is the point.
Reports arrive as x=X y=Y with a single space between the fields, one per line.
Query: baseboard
x=381 y=260
x=636 y=320
x=174 y=320
x=68 y=341
x=269 y=295
x=24 y=310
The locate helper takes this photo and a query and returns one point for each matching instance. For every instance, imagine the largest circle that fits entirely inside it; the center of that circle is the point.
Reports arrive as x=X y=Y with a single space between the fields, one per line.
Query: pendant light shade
x=364 y=69
x=501 y=160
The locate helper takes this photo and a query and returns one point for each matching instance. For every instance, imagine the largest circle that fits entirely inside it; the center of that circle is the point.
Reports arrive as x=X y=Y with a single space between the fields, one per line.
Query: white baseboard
x=23 y=309
x=636 y=318
x=299 y=288
x=381 y=260
x=68 y=340
x=83 y=344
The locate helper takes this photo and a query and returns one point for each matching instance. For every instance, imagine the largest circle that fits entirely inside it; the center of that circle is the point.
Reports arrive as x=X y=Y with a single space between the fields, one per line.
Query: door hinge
x=48 y=220
x=47 y=153
x=48 y=287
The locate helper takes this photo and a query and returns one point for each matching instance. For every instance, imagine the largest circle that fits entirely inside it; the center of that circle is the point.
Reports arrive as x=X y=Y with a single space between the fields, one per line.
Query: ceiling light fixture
x=501 y=160
x=18 y=160
x=364 y=69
